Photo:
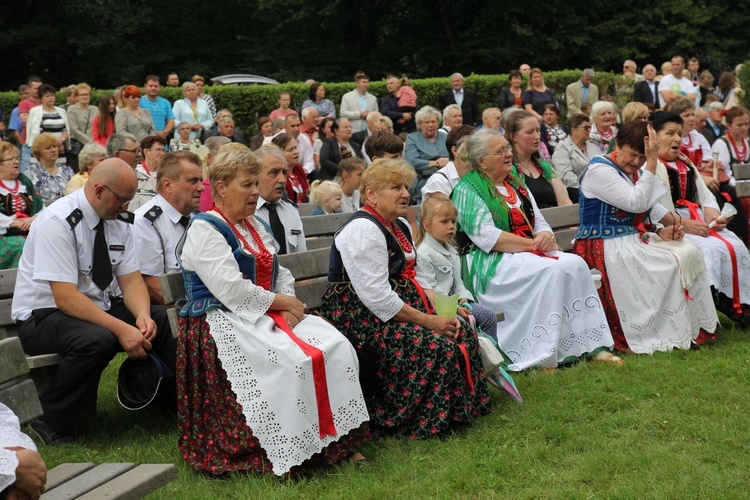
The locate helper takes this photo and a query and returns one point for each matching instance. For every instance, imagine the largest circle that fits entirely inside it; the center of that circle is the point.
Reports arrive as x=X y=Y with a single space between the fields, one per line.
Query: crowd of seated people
x=651 y=185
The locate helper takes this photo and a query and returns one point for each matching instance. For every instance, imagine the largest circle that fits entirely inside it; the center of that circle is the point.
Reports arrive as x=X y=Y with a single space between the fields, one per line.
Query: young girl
x=407 y=98
x=349 y=174
x=440 y=263
x=327 y=196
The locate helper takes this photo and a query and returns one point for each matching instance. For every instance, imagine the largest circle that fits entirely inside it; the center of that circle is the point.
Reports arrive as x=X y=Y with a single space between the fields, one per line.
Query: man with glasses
x=78 y=250
x=153 y=148
x=124 y=146
x=161 y=222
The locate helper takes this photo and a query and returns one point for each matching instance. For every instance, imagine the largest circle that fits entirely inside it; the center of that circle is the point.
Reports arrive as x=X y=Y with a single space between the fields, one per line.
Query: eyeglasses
x=135 y=151
x=157 y=150
x=12 y=159
x=584 y=127
x=83 y=95
x=502 y=152
x=121 y=199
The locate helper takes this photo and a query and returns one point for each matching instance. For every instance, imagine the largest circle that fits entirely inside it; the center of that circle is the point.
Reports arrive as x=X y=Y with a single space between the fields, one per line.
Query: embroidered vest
x=599 y=219
x=396 y=257
x=199 y=298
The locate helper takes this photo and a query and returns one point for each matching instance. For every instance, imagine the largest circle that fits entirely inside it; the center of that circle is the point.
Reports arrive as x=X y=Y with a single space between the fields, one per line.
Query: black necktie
x=102 y=267
x=277 y=227
x=184 y=221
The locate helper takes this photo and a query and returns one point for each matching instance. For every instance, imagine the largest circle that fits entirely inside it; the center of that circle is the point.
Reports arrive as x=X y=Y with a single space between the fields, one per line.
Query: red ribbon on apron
x=410 y=273
x=325 y=416
x=695 y=215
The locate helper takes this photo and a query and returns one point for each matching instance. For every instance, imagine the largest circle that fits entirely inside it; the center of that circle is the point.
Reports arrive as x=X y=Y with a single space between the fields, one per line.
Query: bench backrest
x=563 y=221
x=742 y=176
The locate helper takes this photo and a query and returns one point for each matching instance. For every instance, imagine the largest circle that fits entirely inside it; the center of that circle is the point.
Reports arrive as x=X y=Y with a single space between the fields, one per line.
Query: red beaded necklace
x=13 y=191
x=511 y=197
x=393 y=228
x=740 y=155
x=263 y=257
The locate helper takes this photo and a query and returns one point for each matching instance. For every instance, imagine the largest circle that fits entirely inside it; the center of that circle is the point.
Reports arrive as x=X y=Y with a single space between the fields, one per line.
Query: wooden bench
x=742 y=176
x=112 y=481
x=319 y=229
x=564 y=222
x=40 y=369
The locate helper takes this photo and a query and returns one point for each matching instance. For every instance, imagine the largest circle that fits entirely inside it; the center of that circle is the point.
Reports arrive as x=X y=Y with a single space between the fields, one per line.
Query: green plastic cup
x=446 y=305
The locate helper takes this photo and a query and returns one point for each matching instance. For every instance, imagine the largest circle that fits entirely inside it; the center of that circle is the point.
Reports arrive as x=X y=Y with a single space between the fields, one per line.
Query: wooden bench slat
x=65 y=472
x=743 y=188
x=23 y=400
x=43 y=360
x=305 y=265
x=741 y=171
x=319 y=242
x=172 y=287
x=135 y=483
x=7 y=282
x=5 y=319
x=14 y=360
x=304 y=209
x=310 y=292
x=564 y=238
x=323 y=225
x=87 y=481
x=558 y=217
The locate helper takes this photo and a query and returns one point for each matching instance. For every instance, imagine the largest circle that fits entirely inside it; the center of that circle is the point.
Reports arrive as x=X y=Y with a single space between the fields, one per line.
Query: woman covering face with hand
x=654 y=287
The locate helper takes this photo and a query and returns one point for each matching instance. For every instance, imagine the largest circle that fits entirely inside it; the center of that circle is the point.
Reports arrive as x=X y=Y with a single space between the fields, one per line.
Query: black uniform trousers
x=86 y=350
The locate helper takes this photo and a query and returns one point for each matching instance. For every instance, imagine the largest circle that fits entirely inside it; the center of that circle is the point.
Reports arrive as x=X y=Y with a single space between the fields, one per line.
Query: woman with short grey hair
x=425 y=149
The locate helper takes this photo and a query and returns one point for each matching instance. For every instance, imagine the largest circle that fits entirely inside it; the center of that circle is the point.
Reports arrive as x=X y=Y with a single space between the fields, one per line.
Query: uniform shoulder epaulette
x=74 y=218
x=153 y=213
x=290 y=202
x=126 y=216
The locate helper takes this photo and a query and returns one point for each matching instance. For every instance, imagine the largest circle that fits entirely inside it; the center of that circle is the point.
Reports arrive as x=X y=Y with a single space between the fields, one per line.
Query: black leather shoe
x=51 y=437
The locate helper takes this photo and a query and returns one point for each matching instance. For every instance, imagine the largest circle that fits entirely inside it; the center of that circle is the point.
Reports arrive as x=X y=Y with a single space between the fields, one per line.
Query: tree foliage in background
x=111 y=42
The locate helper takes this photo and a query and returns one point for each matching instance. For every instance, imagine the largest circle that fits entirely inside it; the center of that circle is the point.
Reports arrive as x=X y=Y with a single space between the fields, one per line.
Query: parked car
x=242 y=79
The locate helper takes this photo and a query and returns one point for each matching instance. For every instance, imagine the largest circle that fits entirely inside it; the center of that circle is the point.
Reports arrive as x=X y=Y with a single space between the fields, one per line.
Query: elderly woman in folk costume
x=262 y=386
x=654 y=287
x=552 y=312
x=725 y=255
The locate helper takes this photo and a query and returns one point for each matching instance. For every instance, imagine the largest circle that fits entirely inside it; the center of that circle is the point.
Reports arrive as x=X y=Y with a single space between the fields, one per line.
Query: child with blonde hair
x=439 y=261
x=349 y=174
x=327 y=196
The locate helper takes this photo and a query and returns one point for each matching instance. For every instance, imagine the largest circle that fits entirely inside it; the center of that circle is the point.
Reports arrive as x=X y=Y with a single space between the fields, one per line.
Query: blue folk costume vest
x=599 y=219
x=396 y=257
x=199 y=298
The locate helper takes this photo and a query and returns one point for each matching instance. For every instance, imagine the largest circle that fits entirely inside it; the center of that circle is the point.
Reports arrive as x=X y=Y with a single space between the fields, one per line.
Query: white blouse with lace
x=10 y=437
x=364 y=254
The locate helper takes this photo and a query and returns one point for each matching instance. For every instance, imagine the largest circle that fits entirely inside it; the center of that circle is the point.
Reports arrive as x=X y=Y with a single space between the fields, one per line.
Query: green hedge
x=744 y=78
x=248 y=103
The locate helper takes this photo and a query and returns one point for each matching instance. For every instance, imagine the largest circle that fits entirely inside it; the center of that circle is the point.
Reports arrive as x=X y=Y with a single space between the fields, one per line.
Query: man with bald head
x=63 y=301
x=647 y=91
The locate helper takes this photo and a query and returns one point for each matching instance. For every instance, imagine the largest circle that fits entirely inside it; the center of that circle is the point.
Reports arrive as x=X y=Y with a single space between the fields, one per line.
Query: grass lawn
x=670 y=425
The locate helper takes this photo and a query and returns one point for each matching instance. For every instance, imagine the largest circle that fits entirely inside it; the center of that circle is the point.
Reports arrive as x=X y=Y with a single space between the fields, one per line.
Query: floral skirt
x=415 y=381
x=214 y=436
x=11 y=248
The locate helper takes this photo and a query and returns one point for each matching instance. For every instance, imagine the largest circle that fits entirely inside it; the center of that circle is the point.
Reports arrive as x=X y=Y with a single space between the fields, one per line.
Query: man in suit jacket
x=581 y=91
x=225 y=128
x=647 y=91
x=464 y=97
x=357 y=104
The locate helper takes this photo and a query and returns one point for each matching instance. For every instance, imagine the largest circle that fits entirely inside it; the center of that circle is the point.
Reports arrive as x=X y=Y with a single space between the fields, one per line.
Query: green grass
x=670 y=425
